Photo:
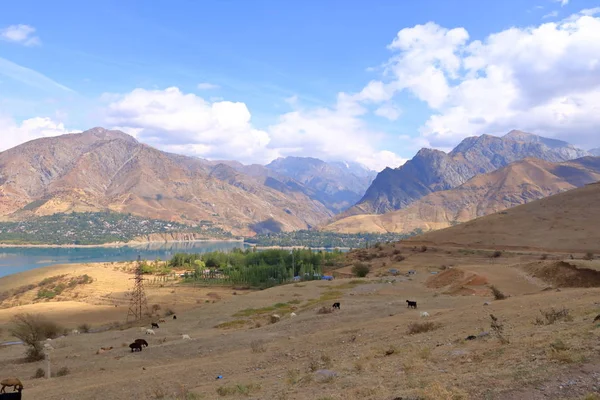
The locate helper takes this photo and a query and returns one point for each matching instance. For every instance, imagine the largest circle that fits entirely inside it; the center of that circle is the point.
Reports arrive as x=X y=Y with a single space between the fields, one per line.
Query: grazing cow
x=150 y=332
x=142 y=342
x=135 y=347
x=155 y=325
x=174 y=316
x=336 y=305
x=15 y=383
x=412 y=304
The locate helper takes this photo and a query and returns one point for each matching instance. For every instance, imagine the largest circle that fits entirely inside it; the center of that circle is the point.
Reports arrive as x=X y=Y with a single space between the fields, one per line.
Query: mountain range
x=518 y=183
x=108 y=170
x=104 y=170
x=434 y=170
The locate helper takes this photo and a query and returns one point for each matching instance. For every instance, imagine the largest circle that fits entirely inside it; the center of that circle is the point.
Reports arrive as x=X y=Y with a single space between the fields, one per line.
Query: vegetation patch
x=422 y=327
x=552 y=315
x=91 y=228
x=235 y=324
x=249 y=312
x=232 y=390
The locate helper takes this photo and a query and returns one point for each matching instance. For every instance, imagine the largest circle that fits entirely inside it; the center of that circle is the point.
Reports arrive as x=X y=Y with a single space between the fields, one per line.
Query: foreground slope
x=565 y=222
x=519 y=183
x=102 y=170
x=433 y=170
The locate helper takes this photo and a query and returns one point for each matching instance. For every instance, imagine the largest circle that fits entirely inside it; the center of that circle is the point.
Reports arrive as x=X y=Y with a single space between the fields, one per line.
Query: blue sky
x=287 y=62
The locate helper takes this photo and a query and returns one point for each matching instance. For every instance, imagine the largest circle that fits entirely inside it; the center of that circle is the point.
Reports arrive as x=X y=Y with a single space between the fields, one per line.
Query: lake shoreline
x=116 y=244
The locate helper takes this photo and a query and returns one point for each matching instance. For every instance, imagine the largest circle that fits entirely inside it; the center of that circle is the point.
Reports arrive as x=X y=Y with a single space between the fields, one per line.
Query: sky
x=365 y=81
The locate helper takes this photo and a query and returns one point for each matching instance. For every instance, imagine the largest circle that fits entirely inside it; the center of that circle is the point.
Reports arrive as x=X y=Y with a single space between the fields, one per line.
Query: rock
x=325 y=374
x=275 y=318
x=487 y=303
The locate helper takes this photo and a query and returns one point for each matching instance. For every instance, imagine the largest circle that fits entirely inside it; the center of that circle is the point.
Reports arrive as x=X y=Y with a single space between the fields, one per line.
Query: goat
x=15 y=383
x=412 y=304
x=150 y=332
x=186 y=337
x=336 y=305
x=74 y=332
x=424 y=314
x=161 y=320
x=174 y=316
x=135 y=347
x=142 y=342
x=293 y=314
x=154 y=325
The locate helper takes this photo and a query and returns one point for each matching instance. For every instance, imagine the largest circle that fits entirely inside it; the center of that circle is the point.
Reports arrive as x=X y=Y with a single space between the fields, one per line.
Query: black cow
x=336 y=305
x=135 y=347
x=141 y=342
x=155 y=325
x=412 y=304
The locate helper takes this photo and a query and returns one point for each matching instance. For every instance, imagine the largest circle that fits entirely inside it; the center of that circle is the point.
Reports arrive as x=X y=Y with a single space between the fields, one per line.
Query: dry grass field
x=374 y=347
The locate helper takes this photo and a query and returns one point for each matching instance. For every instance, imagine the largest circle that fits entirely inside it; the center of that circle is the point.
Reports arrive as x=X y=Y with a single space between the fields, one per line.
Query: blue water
x=19 y=259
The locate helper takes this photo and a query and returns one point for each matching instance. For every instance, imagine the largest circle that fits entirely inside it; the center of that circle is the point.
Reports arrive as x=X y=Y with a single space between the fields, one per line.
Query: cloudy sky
x=340 y=80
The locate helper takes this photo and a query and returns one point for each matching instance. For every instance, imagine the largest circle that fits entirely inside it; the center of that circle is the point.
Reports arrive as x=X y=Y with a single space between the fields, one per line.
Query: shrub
x=421 y=327
x=552 y=315
x=498 y=295
x=155 y=308
x=399 y=258
x=169 y=312
x=39 y=373
x=31 y=330
x=498 y=329
x=544 y=257
x=325 y=310
x=423 y=249
x=361 y=269
x=396 y=252
x=63 y=371
x=258 y=346
x=497 y=254
x=84 y=328
x=588 y=256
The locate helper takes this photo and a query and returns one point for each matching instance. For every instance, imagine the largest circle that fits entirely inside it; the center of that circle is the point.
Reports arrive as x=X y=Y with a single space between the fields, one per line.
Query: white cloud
x=207 y=86
x=185 y=123
x=29 y=76
x=381 y=159
x=14 y=134
x=389 y=111
x=22 y=34
x=562 y=2
x=552 y=14
x=544 y=79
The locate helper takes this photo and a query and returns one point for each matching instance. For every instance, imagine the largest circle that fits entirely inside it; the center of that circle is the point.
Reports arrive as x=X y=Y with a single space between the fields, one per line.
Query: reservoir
x=19 y=259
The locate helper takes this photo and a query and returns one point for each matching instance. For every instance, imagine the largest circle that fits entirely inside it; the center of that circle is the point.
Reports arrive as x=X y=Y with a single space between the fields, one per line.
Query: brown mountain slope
x=109 y=170
x=520 y=182
x=566 y=222
x=432 y=171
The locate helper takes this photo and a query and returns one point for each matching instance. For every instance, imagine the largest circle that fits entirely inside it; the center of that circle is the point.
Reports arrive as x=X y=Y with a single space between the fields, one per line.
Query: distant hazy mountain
x=433 y=170
x=102 y=170
x=595 y=152
x=337 y=185
x=518 y=183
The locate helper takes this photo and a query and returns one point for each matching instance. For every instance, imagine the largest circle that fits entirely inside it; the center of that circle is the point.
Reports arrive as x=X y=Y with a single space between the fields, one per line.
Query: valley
x=540 y=343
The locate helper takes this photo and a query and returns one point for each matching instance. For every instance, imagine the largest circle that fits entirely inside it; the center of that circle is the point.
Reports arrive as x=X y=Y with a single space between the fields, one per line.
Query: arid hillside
x=518 y=183
x=101 y=170
x=566 y=222
x=226 y=344
x=432 y=170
